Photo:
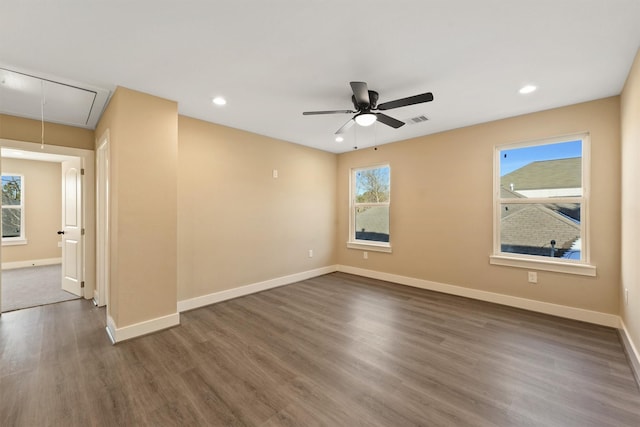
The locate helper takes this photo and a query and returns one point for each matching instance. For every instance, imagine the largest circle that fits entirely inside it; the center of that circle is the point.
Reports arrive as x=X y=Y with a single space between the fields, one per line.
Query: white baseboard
x=111 y=329
x=589 y=316
x=30 y=263
x=631 y=350
x=138 y=329
x=204 y=300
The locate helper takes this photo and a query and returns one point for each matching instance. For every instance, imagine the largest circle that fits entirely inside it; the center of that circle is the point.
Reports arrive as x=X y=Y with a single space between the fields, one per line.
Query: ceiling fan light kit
x=365 y=118
x=366 y=106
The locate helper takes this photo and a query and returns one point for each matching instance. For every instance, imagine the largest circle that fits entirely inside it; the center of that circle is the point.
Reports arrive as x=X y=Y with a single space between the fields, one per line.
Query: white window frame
x=22 y=239
x=579 y=267
x=367 y=245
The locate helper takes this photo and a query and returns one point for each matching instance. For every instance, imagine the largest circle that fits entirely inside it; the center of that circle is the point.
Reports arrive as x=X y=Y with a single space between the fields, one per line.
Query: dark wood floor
x=337 y=350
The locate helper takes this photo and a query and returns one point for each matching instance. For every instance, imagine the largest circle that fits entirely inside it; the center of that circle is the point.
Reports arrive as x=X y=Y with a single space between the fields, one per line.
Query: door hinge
x=82 y=171
x=82 y=284
x=82 y=232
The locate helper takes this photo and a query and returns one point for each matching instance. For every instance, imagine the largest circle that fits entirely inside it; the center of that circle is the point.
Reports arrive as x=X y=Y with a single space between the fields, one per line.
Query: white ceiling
x=273 y=60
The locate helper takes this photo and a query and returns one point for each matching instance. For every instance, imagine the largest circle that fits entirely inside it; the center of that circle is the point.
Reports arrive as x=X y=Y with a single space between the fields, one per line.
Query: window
x=13 y=209
x=540 y=205
x=370 y=197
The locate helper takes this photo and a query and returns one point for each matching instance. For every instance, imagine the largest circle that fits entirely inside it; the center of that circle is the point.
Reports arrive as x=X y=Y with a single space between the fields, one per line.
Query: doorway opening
x=49 y=262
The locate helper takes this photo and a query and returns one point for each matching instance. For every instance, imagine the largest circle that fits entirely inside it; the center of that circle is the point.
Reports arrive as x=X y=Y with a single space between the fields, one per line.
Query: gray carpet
x=32 y=286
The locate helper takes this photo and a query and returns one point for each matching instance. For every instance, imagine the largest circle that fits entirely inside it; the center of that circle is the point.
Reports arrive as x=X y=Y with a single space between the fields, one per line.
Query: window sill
x=534 y=264
x=14 y=242
x=373 y=247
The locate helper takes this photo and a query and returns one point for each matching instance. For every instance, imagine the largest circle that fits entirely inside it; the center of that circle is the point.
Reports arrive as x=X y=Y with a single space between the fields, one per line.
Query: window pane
x=372 y=223
x=550 y=170
x=372 y=185
x=551 y=230
x=11 y=190
x=11 y=222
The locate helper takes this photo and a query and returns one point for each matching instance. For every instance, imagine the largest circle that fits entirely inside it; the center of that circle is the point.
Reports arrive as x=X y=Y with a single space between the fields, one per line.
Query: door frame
x=87 y=158
x=103 y=248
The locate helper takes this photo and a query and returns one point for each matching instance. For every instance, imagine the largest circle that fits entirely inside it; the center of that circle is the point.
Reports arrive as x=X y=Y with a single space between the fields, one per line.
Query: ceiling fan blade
x=345 y=127
x=416 y=99
x=389 y=121
x=312 y=113
x=361 y=93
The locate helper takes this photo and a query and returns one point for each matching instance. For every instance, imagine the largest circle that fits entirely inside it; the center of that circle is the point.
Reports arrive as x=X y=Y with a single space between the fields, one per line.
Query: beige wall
x=143 y=147
x=28 y=130
x=43 y=206
x=441 y=212
x=630 y=112
x=195 y=209
x=238 y=225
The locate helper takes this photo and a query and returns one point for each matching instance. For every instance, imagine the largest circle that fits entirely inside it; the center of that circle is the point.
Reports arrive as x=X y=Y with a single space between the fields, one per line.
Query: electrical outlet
x=533 y=277
x=275 y=173
x=310 y=253
x=626 y=296
x=365 y=255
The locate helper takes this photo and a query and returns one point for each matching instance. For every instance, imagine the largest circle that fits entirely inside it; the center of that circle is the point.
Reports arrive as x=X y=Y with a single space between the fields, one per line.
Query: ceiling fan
x=366 y=106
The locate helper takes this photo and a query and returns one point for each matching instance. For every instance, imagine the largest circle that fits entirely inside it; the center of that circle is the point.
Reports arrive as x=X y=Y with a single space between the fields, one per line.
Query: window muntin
x=12 y=207
x=370 y=198
x=541 y=200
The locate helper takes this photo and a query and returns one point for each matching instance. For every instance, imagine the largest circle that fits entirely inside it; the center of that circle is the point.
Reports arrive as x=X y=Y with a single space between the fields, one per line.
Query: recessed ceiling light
x=527 y=89
x=218 y=100
x=339 y=139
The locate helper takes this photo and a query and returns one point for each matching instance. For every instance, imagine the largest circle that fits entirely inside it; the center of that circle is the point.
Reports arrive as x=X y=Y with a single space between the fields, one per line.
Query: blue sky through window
x=516 y=158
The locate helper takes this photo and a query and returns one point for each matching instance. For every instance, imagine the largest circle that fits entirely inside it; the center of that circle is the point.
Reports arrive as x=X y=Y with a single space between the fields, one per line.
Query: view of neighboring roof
x=372 y=223
x=373 y=218
x=561 y=173
x=530 y=228
x=534 y=227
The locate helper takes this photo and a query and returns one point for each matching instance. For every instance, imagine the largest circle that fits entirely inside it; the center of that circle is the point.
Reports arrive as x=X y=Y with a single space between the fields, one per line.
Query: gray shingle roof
x=530 y=228
x=373 y=219
x=561 y=173
x=535 y=226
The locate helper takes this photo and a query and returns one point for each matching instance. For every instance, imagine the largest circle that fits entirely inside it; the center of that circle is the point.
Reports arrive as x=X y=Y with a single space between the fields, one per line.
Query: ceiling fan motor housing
x=373 y=101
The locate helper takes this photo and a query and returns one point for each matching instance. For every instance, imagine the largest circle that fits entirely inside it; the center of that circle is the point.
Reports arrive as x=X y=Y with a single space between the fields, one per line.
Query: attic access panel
x=22 y=94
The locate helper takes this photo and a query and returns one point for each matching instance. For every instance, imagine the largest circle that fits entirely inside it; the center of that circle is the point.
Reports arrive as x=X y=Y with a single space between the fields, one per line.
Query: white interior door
x=72 y=226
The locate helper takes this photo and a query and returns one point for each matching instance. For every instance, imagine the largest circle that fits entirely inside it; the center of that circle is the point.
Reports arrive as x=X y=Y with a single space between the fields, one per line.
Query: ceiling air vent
x=418 y=119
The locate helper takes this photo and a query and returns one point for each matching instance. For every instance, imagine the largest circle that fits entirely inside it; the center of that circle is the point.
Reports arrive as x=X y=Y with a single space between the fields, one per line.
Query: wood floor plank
x=335 y=350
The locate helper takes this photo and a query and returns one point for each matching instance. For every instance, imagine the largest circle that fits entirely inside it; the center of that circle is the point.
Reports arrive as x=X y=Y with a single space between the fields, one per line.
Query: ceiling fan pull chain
x=42 y=101
x=355 y=138
x=375 y=136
